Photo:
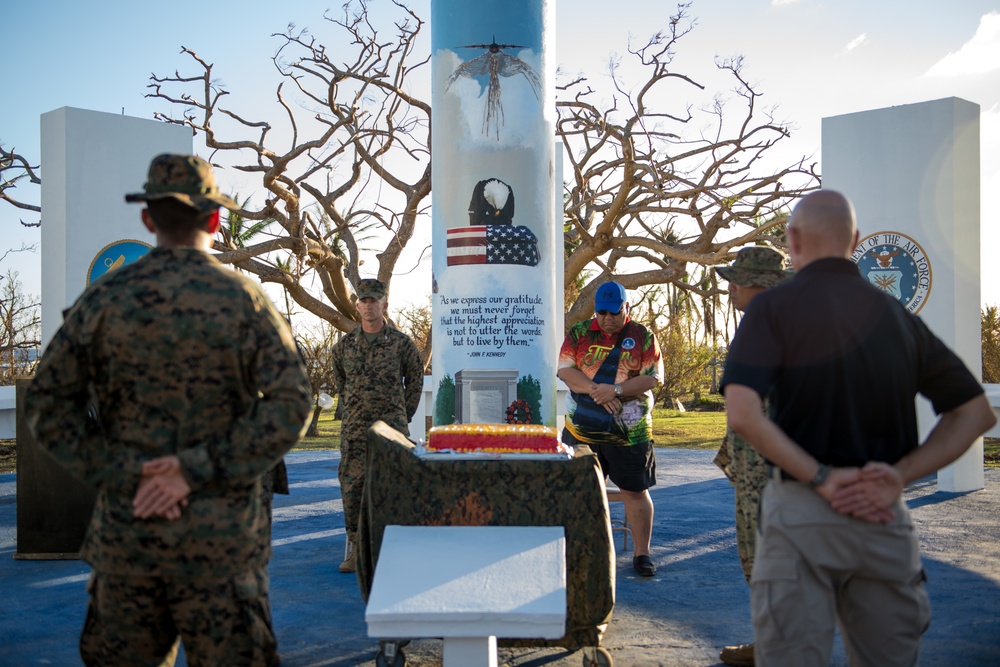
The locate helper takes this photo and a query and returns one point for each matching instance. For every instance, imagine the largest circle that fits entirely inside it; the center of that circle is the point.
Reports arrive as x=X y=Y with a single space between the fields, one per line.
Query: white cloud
x=979 y=55
x=856 y=42
x=778 y=3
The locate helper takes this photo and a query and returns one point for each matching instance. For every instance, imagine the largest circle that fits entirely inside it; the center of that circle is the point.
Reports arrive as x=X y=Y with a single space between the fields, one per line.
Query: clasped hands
x=604 y=395
x=866 y=493
x=162 y=490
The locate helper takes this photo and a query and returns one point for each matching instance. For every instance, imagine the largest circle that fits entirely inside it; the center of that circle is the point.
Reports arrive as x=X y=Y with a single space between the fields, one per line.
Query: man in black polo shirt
x=841 y=363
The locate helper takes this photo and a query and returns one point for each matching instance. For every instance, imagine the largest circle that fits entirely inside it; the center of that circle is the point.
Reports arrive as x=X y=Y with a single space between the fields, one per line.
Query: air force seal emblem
x=897 y=265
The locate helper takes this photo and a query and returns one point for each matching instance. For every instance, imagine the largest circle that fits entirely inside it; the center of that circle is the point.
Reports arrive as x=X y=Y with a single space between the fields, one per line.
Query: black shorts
x=630 y=467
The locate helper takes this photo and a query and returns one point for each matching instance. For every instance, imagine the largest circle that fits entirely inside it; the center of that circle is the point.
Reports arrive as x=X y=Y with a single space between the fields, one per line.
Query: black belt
x=785 y=476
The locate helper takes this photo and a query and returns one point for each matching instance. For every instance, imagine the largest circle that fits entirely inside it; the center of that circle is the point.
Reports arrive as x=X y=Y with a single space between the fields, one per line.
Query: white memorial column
x=91 y=159
x=495 y=243
x=912 y=172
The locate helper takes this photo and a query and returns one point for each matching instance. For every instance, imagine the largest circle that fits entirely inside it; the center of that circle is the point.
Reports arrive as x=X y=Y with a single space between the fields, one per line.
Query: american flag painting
x=492 y=244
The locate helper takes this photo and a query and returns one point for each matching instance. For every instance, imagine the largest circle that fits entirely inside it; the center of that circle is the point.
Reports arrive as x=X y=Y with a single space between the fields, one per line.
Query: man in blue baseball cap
x=611 y=364
x=610 y=296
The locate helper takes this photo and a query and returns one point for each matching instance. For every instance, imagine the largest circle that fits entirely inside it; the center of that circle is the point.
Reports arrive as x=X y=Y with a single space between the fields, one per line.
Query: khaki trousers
x=816 y=568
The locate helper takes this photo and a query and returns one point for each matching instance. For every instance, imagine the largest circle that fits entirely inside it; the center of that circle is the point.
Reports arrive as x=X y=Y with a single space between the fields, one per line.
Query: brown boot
x=349 y=562
x=738 y=656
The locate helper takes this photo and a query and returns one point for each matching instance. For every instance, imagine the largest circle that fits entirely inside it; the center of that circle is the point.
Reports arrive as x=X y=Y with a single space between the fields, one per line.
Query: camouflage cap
x=371 y=288
x=757 y=266
x=186 y=178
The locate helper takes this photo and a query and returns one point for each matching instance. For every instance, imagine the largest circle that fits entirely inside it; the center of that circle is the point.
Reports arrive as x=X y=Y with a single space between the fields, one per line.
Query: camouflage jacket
x=379 y=380
x=173 y=354
x=743 y=466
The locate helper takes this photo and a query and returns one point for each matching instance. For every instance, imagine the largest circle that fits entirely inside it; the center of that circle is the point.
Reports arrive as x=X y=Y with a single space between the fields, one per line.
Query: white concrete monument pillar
x=912 y=172
x=91 y=159
x=496 y=244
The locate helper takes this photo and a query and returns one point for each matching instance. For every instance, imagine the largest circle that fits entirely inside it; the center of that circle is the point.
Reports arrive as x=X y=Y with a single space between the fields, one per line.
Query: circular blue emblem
x=628 y=343
x=114 y=256
x=897 y=265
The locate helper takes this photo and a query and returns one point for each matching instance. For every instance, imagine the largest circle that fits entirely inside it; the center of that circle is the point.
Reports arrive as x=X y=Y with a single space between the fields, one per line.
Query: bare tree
x=316 y=347
x=20 y=326
x=416 y=322
x=661 y=190
x=990 y=319
x=15 y=169
x=687 y=365
x=357 y=166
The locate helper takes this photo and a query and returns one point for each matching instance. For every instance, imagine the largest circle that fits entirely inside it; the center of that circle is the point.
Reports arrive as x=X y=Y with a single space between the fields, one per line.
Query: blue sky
x=507 y=22
x=812 y=58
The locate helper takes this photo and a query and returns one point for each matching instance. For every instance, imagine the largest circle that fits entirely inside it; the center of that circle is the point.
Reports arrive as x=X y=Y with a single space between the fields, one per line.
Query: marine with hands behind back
x=174 y=386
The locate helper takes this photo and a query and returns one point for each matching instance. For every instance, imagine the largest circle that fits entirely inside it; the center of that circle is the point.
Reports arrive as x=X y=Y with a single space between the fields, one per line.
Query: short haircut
x=175 y=219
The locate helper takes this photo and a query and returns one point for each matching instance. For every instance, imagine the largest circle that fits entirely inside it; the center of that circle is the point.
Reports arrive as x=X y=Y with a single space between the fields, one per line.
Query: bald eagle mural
x=492 y=237
x=492 y=203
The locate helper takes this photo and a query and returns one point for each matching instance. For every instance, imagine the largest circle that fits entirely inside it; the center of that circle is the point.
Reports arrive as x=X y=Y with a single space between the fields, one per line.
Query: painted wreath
x=519 y=412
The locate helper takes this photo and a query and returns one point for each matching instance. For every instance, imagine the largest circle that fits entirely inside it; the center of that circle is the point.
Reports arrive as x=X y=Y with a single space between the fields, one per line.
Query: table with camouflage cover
x=403 y=489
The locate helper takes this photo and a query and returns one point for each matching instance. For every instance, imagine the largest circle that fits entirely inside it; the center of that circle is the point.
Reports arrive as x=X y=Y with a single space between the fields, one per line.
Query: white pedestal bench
x=469 y=585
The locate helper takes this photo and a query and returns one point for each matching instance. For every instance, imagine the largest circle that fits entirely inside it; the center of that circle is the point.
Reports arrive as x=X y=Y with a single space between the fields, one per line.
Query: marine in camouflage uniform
x=747 y=472
x=755 y=269
x=173 y=386
x=379 y=374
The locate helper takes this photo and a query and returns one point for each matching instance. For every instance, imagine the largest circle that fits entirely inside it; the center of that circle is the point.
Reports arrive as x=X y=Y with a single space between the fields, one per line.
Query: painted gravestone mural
x=494 y=235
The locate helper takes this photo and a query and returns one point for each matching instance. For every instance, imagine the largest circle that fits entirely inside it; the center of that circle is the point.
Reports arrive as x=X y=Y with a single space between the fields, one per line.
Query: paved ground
x=697 y=602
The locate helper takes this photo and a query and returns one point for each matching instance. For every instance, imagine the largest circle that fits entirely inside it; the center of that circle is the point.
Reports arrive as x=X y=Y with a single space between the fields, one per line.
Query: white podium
x=469 y=585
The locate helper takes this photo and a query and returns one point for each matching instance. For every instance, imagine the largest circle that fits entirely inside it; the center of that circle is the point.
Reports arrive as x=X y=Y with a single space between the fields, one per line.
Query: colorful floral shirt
x=585 y=348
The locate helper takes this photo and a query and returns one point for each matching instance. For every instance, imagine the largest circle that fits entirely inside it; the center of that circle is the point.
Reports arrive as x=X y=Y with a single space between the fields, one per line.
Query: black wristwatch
x=819 y=479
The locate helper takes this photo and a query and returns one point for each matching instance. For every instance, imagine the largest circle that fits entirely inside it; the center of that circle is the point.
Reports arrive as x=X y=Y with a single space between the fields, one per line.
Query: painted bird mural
x=492 y=203
x=495 y=64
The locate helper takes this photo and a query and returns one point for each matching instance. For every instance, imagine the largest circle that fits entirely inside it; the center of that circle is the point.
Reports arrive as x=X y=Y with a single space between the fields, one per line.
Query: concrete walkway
x=697 y=602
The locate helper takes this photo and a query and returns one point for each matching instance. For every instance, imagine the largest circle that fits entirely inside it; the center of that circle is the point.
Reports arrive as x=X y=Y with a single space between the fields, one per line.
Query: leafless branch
x=357 y=136
x=661 y=185
x=15 y=170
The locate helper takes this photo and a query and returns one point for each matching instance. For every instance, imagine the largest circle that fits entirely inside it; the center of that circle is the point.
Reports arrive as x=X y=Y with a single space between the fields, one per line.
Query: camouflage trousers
x=351 y=473
x=138 y=621
x=747 y=472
